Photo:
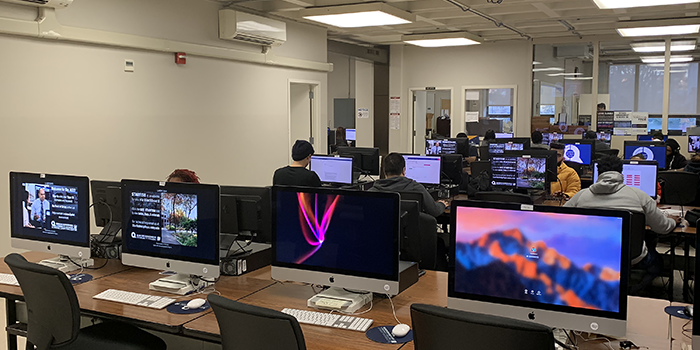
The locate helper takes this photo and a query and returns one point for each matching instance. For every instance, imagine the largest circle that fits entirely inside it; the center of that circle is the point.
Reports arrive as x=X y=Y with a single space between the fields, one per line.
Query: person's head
x=340 y=136
x=672 y=147
x=394 y=165
x=490 y=135
x=559 y=147
x=26 y=196
x=462 y=135
x=536 y=137
x=183 y=175
x=638 y=156
x=302 y=152
x=42 y=194
x=657 y=135
x=602 y=107
x=609 y=163
x=590 y=135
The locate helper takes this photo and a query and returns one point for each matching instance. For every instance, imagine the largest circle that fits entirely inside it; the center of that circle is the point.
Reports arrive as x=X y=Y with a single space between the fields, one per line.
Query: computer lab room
x=339 y=174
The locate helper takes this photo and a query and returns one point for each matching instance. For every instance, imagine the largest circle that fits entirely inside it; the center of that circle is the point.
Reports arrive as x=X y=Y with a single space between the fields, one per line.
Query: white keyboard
x=8 y=278
x=330 y=320
x=138 y=299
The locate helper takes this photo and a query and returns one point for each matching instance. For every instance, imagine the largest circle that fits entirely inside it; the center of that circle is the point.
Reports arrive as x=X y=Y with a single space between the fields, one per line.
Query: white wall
x=71 y=109
x=364 y=94
x=489 y=64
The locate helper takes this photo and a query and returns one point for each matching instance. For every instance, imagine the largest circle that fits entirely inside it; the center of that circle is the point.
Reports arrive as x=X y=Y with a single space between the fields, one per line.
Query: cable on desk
x=392 y=308
x=608 y=342
x=89 y=268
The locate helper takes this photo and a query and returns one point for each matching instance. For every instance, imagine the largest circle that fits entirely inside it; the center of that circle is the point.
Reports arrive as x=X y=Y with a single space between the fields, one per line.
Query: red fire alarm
x=180 y=58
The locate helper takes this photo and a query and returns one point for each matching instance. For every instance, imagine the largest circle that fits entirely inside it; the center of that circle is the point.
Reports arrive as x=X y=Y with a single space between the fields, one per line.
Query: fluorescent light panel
x=658 y=31
x=619 y=4
x=358 y=15
x=442 y=39
x=661 y=59
x=676 y=46
x=548 y=69
x=564 y=74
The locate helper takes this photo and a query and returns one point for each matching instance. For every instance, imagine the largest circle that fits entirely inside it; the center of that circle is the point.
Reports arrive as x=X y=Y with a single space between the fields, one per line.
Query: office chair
x=246 y=326
x=54 y=315
x=607 y=152
x=437 y=327
x=484 y=153
x=419 y=238
x=679 y=187
x=506 y=197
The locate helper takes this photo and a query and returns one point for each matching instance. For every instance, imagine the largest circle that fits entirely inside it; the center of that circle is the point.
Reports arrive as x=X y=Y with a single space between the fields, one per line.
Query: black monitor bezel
x=333 y=157
x=363 y=152
x=98 y=207
x=396 y=241
x=624 y=263
x=551 y=165
x=84 y=197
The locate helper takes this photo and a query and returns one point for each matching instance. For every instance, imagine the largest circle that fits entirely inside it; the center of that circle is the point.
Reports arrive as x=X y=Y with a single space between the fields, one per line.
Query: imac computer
x=504 y=135
x=174 y=227
x=107 y=207
x=693 y=144
x=423 y=169
x=647 y=150
x=579 y=151
x=500 y=146
x=347 y=240
x=332 y=170
x=550 y=137
x=649 y=138
x=350 y=134
x=50 y=213
x=438 y=147
x=366 y=159
x=520 y=170
x=562 y=267
x=637 y=173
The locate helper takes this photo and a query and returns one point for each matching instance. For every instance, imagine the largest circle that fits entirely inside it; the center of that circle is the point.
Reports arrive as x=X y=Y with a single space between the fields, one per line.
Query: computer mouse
x=400 y=330
x=688 y=311
x=195 y=303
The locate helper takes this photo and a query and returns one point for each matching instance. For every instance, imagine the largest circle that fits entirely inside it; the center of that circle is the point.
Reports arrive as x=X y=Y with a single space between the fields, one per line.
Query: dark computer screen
x=438 y=147
x=337 y=231
x=171 y=220
x=366 y=159
x=253 y=212
x=107 y=201
x=50 y=208
x=550 y=257
x=578 y=151
x=519 y=171
x=693 y=144
x=647 y=151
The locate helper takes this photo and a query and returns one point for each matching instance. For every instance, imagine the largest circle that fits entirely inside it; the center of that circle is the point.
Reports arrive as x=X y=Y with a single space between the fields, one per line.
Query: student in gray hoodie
x=396 y=181
x=610 y=192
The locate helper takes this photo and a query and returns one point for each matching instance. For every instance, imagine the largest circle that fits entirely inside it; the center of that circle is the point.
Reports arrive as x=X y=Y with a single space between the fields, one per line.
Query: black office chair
x=246 y=326
x=441 y=328
x=54 y=315
x=484 y=154
x=419 y=240
x=607 y=152
x=506 y=197
x=679 y=187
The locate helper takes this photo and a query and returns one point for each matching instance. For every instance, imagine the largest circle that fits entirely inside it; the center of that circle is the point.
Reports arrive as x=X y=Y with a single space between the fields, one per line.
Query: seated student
x=296 y=174
x=599 y=145
x=468 y=151
x=610 y=192
x=674 y=159
x=394 y=167
x=488 y=137
x=183 y=175
x=657 y=136
x=536 y=138
x=569 y=183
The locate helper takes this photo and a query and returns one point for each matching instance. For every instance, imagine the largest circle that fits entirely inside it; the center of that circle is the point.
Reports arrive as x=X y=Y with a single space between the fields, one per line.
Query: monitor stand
x=181 y=284
x=340 y=300
x=63 y=264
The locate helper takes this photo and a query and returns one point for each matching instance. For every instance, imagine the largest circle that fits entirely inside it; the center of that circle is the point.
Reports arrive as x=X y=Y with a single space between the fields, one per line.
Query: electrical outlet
x=128 y=65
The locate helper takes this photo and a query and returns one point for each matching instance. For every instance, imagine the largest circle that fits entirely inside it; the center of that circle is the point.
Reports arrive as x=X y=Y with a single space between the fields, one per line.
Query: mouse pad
x=79 y=278
x=677 y=311
x=178 y=308
x=382 y=334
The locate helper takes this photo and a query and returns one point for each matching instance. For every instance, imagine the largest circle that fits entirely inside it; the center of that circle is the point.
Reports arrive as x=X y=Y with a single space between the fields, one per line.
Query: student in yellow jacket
x=569 y=183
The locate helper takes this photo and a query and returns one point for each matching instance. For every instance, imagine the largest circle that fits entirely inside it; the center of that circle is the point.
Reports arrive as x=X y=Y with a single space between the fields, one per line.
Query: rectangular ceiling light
x=548 y=69
x=676 y=46
x=442 y=39
x=661 y=59
x=358 y=15
x=658 y=31
x=619 y=4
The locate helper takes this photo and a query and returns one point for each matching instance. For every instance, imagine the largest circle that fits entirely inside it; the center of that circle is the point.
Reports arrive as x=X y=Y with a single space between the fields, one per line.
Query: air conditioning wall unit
x=241 y=26
x=58 y=4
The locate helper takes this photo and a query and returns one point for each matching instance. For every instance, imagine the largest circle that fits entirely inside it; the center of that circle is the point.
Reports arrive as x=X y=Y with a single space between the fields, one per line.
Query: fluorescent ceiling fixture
x=578 y=78
x=563 y=74
x=657 y=31
x=548 y=69
x=685 y=45
x=618 y=4
x=442 y=39
x=661 y=59
x=358 y=15
x=675 y=65
x=534 y=63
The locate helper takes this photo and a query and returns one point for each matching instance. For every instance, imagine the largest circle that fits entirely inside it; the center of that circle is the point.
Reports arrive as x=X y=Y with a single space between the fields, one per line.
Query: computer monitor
x=438 y=147
x=474 y=140
x=50 y=213
x=499 y=146
x=451 y=168
x=334 y=170
x=693 y=144
x=523 y=171
x=338 y=238
x=546 y=110
x=423 y=169
x=649 y=138
x=107 y=207
x=549 y=138
x=504 y=135
x=174 y=227
x=517 y=261
x=579 y=151
x=247 y=212
x=365 y=159
x=647 y=150
x=637 y=173
x=350 y=134
x=604 y=136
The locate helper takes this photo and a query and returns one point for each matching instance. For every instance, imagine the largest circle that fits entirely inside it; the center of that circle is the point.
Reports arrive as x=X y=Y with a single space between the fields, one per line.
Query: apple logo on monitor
x=331 y=279
x=531 y=315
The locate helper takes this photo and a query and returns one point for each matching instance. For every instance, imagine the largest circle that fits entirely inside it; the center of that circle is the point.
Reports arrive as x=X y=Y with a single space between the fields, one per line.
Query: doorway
x=303 y=107
x=431 y=112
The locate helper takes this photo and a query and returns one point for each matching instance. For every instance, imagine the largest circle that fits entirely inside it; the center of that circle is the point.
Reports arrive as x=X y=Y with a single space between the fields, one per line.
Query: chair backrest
x=506 y=197
x=484 y=153
x=52 y=306
x=608 y=152
x=679 y=187
x=244 y=326
x=412 y=196
x=442 y=328
x=638 y=228
x=410 y=232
